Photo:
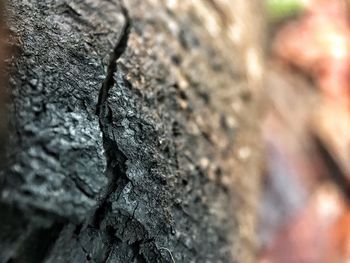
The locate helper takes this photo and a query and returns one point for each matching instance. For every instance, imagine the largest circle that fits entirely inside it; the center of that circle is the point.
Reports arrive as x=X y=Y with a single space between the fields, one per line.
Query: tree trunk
x=132 y=131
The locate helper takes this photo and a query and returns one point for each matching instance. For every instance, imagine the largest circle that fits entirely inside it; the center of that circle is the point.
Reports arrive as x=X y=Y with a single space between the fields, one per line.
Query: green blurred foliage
x=279 y=10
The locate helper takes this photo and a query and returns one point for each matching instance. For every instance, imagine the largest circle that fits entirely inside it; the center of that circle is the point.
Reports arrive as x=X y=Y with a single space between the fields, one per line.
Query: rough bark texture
x=130 y=132
x=5 y=54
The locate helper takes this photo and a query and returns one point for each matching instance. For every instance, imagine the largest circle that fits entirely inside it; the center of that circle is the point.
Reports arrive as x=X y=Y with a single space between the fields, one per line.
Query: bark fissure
x=116 y=167
x=118 y=50
x=115 y=158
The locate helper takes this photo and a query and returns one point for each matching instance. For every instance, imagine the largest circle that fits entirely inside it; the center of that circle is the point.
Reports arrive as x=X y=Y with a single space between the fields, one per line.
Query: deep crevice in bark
x=119 y=49
x=116 y=165
x=115 y=158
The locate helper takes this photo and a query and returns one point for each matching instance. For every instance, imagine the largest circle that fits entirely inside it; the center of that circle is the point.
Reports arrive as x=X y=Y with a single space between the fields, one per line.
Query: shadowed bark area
x=5 y=53
x=132 y=132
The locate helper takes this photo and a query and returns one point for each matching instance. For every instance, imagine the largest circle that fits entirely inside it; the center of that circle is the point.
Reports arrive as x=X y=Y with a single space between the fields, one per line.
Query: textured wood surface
x=132 y=132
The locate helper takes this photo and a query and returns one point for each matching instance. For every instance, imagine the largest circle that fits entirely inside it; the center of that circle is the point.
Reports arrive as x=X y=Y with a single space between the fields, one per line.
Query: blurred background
x=304 y=213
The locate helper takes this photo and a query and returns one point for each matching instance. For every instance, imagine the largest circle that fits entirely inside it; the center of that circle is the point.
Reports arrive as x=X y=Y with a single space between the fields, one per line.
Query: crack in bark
x=131 y=217
x=118 y=50
x=116 y=168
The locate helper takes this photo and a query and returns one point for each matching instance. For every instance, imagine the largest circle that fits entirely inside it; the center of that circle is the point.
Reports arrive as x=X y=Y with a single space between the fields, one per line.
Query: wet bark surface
x=125 y=134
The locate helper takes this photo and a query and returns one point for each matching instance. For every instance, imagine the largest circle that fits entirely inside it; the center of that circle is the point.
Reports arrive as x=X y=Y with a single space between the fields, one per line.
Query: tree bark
x=132 y=132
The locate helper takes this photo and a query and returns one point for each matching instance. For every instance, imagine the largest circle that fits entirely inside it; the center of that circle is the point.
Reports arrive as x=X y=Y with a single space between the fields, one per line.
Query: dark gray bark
x=123 y=139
